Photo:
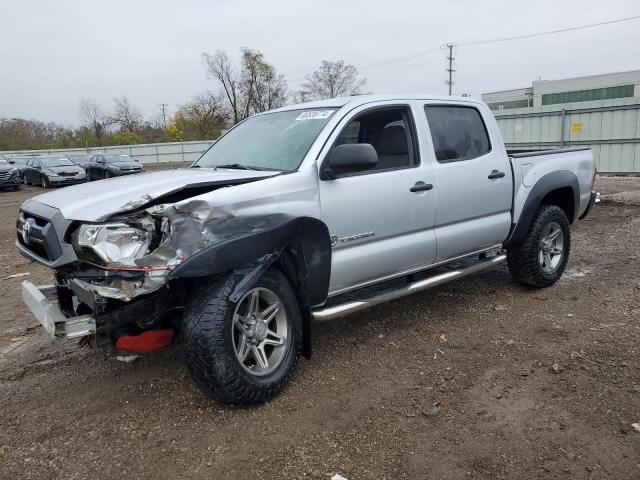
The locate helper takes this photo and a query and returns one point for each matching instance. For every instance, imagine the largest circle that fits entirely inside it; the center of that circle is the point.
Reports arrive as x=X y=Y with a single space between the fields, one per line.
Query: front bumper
x=39 y=301
x=120 y=173
x=64 y=181
x=14 y=181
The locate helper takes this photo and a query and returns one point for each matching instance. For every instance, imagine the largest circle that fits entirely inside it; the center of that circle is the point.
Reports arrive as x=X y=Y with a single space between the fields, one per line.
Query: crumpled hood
x=97 y=201
x=6 y=167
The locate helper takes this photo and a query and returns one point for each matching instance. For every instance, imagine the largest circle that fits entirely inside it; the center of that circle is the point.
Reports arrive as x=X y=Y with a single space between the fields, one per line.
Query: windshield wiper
x=236 y=166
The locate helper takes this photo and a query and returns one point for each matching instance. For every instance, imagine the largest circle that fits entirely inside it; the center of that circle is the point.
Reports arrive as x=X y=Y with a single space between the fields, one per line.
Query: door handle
x=495 y=174
x=421 y=187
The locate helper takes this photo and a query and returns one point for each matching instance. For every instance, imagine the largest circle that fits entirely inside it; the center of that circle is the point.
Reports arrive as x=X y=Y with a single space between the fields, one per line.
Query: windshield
x=274 y=141
x=20 y=161
x=55 y=162
x=117 y=158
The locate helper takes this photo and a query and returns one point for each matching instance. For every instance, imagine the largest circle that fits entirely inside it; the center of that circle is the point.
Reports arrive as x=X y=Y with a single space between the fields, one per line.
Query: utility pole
x=164 y=116
x=450 y=69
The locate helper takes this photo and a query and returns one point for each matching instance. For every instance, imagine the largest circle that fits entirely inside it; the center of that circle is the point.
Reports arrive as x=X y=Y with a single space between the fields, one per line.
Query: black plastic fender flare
x=545 y=185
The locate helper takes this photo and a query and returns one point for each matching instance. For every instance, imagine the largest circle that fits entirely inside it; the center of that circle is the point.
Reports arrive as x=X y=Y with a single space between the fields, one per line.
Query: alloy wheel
x=260 y=331
x=551 y=247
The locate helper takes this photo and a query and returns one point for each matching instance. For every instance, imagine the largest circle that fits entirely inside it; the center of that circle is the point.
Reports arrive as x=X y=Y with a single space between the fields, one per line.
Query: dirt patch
x=529 y=384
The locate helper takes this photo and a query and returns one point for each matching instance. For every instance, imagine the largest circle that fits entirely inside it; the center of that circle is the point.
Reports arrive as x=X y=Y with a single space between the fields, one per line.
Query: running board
x=353 y=306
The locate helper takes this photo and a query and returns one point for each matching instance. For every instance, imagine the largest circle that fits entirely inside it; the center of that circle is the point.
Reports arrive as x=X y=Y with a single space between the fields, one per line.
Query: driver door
x=380 y=228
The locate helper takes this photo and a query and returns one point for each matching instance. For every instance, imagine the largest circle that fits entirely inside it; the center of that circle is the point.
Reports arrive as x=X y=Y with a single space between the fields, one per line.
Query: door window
x=390 y=131
x=458 y=133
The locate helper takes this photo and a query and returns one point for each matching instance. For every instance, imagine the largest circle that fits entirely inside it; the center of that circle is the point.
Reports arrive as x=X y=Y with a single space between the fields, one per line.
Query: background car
x=52 y=172
x=80 y=159
x=18 y=162
x=112 y=165
x=10 y=176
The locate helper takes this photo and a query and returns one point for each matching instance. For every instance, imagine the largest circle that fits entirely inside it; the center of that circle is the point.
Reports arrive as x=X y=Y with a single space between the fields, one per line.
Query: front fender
x=244 y=240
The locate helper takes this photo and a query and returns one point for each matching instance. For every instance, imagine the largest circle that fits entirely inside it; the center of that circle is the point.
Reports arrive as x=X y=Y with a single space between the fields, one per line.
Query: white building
x=570 y=90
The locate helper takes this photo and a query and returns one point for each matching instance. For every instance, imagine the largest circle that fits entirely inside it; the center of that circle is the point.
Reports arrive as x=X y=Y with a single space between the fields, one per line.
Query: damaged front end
x=113 y=275
x=133 y=271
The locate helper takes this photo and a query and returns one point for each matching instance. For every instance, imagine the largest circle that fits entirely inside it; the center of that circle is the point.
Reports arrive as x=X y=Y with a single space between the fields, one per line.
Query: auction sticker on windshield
x=314 y=115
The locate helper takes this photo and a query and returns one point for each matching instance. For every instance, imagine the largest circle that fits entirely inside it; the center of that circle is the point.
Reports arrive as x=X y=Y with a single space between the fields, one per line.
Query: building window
x=510 y=104
x=622 y=91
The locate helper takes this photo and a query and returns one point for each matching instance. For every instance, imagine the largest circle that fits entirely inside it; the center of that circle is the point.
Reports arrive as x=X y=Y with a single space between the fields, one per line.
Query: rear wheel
x=244 y=352
x=540 y=259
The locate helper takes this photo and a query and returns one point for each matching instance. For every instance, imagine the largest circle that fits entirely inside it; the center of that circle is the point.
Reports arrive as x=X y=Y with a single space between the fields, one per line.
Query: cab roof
x=357 y=100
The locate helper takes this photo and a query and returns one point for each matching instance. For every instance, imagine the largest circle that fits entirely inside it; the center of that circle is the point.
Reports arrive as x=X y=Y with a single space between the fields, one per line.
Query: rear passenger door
x=379 y=226
x=473 y=176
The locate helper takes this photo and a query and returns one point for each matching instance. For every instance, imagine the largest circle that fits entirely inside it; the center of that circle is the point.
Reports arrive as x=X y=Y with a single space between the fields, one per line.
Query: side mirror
x=12 y=162
x=351 y=158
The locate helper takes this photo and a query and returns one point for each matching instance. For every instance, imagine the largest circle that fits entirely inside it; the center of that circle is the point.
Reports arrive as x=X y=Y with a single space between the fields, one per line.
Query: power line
x=428 y=51
x=403 y=58
x=550 y=32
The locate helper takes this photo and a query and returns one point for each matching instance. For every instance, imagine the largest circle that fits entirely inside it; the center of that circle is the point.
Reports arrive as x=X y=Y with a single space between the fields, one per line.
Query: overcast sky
x=52 y=53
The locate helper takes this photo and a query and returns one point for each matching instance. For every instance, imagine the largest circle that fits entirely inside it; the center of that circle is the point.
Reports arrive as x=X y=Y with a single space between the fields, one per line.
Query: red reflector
x=148 y=341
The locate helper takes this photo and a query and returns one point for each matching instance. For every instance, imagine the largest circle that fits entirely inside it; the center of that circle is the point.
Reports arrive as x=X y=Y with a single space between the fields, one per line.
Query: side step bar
x=353 y=306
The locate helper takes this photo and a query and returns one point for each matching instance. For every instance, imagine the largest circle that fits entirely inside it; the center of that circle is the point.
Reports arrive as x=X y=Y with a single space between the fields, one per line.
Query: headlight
x=50 y=173
x=114 y=242
x=115 y=167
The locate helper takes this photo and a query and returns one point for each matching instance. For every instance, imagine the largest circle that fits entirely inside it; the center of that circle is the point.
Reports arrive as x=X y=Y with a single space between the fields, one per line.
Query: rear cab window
x=458 y=132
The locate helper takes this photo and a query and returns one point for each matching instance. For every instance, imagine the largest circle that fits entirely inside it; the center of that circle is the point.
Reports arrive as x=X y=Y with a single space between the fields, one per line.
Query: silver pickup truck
x=312 y=211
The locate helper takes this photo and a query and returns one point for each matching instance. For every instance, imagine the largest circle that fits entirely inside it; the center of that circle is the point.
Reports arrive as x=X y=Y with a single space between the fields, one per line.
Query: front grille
x=37 y=235
x=67 y=174
x=4 y=175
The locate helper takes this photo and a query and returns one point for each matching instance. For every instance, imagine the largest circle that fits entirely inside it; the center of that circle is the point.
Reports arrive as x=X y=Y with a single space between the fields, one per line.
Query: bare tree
x=332 y=79
x=263 y=89
x=202 y=118
x=92 y=116
x=126 y=115
x=252 y=87
x=219 y=67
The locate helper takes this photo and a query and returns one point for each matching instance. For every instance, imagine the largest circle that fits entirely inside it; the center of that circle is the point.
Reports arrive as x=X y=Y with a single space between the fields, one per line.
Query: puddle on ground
x=576 y=273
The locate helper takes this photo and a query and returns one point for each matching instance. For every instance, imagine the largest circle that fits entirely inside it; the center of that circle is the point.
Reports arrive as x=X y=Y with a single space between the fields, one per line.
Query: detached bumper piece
x=39 y=301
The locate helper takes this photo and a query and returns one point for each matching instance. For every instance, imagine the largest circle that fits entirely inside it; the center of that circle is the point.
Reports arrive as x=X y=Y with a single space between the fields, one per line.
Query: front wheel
x=244 y=352
x=539 y=260
x=45 y=182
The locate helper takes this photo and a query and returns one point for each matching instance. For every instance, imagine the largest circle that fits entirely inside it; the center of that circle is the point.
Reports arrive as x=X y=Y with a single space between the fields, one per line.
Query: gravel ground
x=532 y=383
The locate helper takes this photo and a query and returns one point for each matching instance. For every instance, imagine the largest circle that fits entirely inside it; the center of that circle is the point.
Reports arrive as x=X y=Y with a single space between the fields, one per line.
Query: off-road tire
x=522 y=258
x=209 y=351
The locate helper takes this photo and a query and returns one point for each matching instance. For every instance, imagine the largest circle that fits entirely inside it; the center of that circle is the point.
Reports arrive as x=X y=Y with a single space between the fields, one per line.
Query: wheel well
x=563 y=198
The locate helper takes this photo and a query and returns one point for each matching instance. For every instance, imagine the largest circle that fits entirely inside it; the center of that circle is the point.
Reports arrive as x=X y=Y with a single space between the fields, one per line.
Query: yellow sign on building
x=577 y=127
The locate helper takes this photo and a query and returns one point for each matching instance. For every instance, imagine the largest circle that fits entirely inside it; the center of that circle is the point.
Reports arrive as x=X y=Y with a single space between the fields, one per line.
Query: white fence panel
x=145 y=153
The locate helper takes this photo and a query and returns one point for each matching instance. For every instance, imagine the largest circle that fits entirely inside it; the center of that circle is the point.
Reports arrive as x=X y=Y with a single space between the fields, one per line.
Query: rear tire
x=540 y=259
x=228 y=369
